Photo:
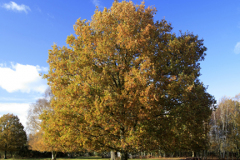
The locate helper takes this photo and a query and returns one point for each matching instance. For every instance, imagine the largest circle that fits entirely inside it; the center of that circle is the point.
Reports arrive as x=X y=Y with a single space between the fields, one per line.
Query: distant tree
x=127 y=83
x=225 y=127
x=12 y=134
x=36 y=109
x=36 y=141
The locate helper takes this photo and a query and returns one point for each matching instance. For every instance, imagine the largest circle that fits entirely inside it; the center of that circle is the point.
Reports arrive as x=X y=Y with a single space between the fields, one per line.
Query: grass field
x=93 y=158
x=98 y=158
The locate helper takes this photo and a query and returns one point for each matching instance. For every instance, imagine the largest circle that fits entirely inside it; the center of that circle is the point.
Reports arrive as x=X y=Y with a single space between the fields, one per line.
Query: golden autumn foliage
x=12 y=134
x=36 y=142
x=126 y=83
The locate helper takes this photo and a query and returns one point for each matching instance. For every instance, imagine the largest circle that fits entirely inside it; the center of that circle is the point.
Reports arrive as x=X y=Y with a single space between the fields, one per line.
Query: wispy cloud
x=39 y=10
x=96 y=2
x=3 y=64
x=50 y=15
x=237 y=48
x=23 y=78
x=14 y=99
x=15 y=7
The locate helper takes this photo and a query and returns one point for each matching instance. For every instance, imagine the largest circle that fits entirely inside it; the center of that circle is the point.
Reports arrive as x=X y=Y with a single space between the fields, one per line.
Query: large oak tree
x=126 y=83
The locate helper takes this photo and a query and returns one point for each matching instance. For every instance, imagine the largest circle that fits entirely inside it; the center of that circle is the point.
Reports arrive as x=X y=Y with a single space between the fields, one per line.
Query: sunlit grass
x=97 y=158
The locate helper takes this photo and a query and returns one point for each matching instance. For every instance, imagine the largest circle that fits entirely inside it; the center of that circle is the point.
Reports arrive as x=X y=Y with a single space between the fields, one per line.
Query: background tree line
x=225 y=128
x=222 y=140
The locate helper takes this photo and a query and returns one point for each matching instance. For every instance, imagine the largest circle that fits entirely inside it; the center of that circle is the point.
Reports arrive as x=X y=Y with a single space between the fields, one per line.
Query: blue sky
x=29 y=28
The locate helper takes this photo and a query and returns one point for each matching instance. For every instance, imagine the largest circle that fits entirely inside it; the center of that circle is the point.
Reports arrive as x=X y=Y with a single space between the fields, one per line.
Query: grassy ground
x=98 y=158
x=181 y=158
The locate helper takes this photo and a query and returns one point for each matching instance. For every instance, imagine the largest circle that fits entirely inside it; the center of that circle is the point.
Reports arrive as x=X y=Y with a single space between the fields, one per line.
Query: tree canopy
x=127 y=83
x=12 y=134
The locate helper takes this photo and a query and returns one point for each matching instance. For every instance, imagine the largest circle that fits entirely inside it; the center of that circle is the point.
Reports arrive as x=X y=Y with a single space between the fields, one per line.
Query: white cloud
x=237 y=48
x=96 y=2
x=24 y=78
x=19 y=109
x=15 y=7
x=43 y=69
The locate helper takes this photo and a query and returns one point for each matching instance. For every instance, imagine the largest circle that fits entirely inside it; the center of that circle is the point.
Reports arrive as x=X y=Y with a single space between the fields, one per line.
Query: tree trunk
x=159 y=153
x=54 y=155
x=113 y=156
x=5 y=154
x=205 y=154
x=124 y=155
x=130 y=156
x=192 y=153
